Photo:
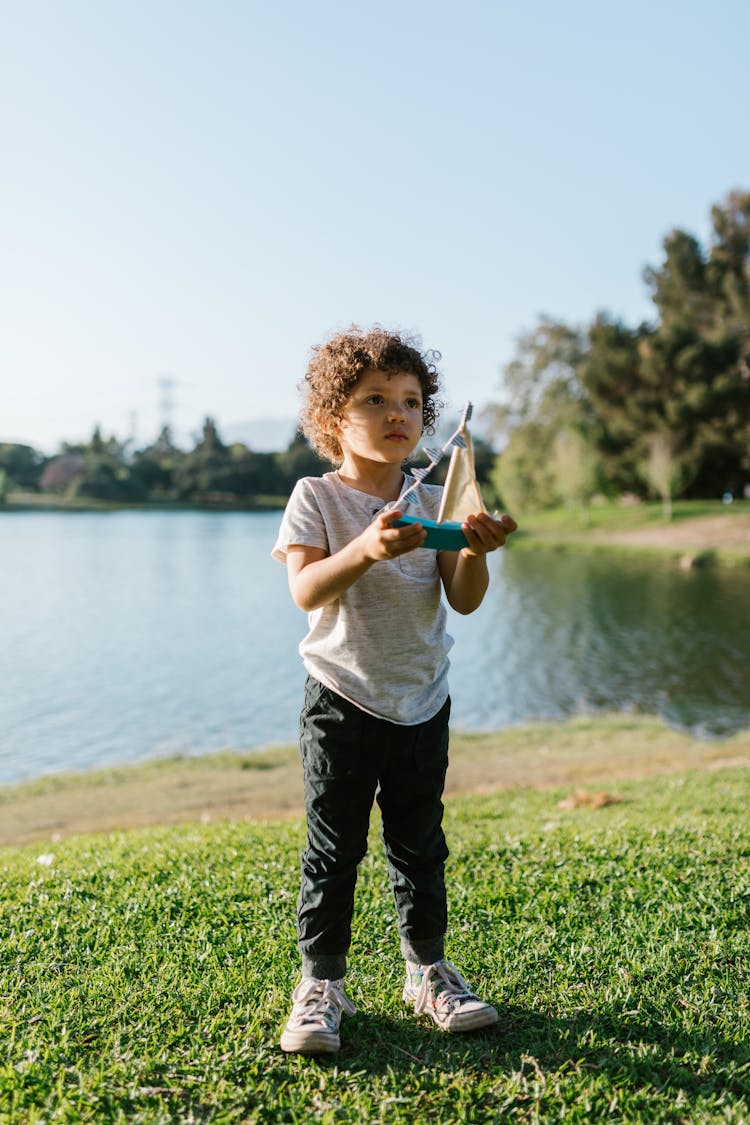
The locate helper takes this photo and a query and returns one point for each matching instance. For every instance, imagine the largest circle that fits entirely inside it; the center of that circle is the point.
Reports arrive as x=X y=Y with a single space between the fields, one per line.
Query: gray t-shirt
x=382 y=644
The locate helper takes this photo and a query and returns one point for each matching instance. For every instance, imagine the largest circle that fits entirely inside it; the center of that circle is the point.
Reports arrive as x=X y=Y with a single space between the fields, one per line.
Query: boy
x=374 y=724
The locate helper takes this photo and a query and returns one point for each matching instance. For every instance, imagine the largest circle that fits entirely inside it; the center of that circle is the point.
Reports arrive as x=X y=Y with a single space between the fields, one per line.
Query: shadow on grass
x=627 y=1050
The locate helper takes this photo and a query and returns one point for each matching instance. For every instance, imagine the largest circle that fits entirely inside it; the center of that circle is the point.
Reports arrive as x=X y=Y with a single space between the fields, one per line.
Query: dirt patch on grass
x=254 y=785
x=708 y=533
x=720 y=538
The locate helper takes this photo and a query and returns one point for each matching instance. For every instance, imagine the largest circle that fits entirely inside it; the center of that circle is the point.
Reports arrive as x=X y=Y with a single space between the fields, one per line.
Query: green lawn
x=146 y=975
x=626 y=517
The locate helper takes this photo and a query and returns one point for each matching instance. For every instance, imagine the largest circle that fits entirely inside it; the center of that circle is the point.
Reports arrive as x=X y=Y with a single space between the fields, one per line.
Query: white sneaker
x=441 y=992
x=313 y=1026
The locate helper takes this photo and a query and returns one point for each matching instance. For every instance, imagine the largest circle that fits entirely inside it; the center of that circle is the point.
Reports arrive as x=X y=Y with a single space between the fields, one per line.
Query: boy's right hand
x=381 y=541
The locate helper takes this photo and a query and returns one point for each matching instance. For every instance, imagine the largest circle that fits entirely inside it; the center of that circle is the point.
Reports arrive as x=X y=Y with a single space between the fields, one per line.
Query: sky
x=200 y=192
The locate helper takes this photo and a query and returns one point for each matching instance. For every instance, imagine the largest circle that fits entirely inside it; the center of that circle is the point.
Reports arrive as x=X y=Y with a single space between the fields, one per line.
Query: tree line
x=658 y=410
x=211 y=473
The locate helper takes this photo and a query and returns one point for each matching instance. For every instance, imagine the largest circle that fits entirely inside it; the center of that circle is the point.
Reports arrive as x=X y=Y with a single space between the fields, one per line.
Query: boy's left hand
x=485 y=533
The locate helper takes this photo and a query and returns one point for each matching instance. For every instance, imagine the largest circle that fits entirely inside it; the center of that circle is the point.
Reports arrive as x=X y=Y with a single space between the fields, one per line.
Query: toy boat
x=461 y=495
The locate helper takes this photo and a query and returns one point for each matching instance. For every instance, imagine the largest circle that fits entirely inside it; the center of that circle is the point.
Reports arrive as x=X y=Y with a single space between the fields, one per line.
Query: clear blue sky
x=205 y=190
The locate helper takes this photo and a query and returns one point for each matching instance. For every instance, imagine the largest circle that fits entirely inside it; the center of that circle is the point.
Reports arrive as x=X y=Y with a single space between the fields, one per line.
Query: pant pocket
x=330 y=734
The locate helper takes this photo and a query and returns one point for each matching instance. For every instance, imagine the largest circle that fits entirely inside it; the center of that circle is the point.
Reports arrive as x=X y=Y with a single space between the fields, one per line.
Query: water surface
x=132 y=635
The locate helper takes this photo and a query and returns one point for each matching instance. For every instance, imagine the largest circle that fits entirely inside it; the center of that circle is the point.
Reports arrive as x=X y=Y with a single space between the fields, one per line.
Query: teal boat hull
x=446 y=536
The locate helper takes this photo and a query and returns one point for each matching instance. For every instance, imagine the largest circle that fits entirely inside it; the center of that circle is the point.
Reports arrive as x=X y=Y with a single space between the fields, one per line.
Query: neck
x=375 y=479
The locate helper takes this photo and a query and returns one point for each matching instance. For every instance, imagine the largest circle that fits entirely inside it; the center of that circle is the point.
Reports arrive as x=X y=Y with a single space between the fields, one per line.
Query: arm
x=464 y=573
x=317 y=579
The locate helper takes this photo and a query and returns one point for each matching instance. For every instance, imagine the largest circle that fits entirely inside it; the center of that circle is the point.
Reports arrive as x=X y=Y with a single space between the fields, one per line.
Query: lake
x=133 y=635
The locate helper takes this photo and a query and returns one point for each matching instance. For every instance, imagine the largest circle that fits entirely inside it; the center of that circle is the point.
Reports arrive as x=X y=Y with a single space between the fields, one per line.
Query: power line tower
x=167 y=384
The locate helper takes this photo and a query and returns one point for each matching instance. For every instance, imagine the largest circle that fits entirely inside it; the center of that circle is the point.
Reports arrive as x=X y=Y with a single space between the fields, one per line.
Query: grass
x=625 y=517
x=146 y=974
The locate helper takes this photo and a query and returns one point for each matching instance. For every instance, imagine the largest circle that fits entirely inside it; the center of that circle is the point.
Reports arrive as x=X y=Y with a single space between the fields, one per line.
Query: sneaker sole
x=309 y=1043
x=470 y=1021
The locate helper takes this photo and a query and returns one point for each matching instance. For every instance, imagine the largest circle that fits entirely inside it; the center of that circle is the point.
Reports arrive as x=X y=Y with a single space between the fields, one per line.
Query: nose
x=396 y=411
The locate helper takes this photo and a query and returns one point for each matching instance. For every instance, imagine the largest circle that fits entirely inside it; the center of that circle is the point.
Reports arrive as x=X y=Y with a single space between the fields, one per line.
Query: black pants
x=349 y=759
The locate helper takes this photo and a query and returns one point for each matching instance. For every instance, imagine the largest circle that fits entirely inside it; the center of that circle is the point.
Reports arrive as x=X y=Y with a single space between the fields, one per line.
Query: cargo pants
x=350 y=759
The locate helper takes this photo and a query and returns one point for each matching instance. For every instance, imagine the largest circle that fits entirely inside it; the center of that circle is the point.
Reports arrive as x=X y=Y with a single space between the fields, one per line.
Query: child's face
x=382 y=420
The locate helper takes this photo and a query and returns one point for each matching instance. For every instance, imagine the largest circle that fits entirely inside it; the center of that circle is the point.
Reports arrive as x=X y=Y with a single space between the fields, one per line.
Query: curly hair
x=336 y=366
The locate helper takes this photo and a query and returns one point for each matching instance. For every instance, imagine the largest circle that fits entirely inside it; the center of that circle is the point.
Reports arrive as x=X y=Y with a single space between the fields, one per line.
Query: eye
x=375 y=400
x=414 y=403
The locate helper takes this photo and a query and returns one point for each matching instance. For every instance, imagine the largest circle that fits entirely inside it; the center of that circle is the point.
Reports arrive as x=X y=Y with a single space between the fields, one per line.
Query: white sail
x=461 y=495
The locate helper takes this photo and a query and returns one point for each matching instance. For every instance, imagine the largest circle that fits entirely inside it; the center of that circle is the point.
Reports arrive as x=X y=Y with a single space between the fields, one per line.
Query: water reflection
x=574 y=632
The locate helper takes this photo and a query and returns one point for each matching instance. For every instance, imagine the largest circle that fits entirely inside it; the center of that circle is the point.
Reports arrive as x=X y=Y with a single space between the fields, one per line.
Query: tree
x=703 y=338
x=662 y=471
x=687 y=375
x=153 y=468
x=299 y=459
x=523 y=476
x=575 y=467
x=728 y=270
x=679 y=288
x=106 y=474
x=214 y=472
x=621 y=404
x=542 y=379
x=201 y=470
x=22 y=466
x=543 y=395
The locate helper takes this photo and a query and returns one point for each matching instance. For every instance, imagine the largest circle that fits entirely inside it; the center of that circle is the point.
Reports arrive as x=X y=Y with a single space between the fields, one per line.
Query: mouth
x=396 y=435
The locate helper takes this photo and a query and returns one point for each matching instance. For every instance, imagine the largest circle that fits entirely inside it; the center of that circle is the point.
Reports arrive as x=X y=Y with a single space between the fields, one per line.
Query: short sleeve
x=302 y=524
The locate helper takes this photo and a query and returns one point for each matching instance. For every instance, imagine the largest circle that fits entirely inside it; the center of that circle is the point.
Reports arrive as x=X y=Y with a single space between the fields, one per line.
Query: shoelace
x=313 y=998
x=453 y=991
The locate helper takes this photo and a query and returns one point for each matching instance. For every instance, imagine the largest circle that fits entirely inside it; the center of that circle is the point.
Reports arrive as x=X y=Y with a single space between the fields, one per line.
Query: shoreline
x=698 y=535
x=59 y=504
x=574 y=755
